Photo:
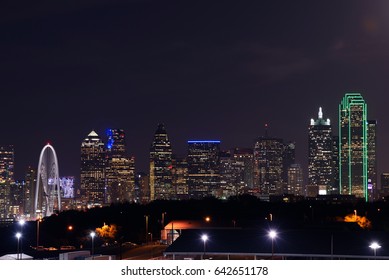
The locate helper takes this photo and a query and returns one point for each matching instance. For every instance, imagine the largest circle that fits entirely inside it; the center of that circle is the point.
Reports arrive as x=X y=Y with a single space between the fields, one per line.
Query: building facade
x=161 y=166
x=320 y=155
x=353 y=150
x=268 y=166
x=7 y=180
x=93 y=163
x=120 y=168
x=372 y=185
x=203 y=168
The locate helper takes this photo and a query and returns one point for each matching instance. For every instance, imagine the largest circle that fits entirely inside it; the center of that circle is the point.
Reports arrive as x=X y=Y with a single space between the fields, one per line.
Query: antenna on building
x=320 y=113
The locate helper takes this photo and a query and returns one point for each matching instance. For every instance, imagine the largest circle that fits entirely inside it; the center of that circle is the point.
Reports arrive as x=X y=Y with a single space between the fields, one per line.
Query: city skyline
x=219 y=70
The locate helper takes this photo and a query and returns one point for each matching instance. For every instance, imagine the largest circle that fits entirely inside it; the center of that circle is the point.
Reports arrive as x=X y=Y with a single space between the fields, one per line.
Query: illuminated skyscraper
x=335 y=163
x=161 y=166
x=372 y=160
x=232 y=172
x=203 y=168
x=295 y=180
x=180 y=178
x=320 y=155
x=7 y=180
x=246 y=156
x=120 y=168
x=353 y=150
x=29 y=192
x=93 y=160
x=268 y=166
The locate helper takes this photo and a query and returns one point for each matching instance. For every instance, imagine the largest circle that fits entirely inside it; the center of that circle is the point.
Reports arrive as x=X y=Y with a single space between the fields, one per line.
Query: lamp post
x=21 y=223
x=272 y=235
x=38 y=221
x=92 y=235
x=18 y=236
x=204 y=237
x=163 y=220
x=151 y=237
x=147 y=226
x=375 y=246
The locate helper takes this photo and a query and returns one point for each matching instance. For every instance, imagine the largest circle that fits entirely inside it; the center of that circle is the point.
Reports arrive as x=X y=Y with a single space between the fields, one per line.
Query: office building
x=320 y=154
x=180 y=178
x=93 y=161
x=232 y=171
x=246 y=155
x=161 y=166
x=268 y=166
x=120 y=168
x=7 y=180
x=353 y=150
x=203 y=168
x=295 y=180
x=372 y=186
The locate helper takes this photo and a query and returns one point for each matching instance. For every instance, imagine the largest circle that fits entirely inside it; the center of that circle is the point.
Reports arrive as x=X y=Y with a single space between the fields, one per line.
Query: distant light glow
x=272 y=234
x=204 y=237
x=375 y=246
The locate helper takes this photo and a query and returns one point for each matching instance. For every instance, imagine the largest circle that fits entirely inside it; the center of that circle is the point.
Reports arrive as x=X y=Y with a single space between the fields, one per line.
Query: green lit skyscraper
x=353 y=162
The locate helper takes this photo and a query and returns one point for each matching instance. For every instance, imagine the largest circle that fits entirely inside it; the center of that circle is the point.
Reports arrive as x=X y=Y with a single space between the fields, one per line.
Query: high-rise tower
x=161 y=166
x=7 y=179
x=120 y=168
x=372 y=160
x=320 y=157
x=353 y=161
x=93 y=170
x=203 y=168
x=268 y=166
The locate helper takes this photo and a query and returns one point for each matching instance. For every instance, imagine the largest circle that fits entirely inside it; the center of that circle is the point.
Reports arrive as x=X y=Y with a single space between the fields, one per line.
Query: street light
x=375 y=246
x=18 y=236
x=147 y=225
x=38 y=221
x=151 y=237
x=204 y=237
x=272 y=235
x=92 y=235
x=21 y=223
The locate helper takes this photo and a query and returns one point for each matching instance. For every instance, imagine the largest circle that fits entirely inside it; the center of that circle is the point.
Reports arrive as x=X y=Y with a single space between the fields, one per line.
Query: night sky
x=206 y=69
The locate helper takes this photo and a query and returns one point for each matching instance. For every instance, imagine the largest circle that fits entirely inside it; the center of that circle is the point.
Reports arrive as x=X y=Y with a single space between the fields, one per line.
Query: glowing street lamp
x=204 y=237
x=18 y=236
x=92 y=235
x=272 y=235
x=375 y=246
x=21 y=223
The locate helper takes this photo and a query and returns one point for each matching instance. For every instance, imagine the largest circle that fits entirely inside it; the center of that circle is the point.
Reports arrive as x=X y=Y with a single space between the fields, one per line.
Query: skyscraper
x=203 y=168
x=180 y=178
x=92 y=183
x=161 y=166
x=246 y=156
x=372 y=160
x=120 y=168
x=353 y=162
x=320 y=154
x=232 y=172
x=268 y=166
x=295 y=180
x=7 y=180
